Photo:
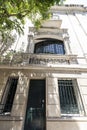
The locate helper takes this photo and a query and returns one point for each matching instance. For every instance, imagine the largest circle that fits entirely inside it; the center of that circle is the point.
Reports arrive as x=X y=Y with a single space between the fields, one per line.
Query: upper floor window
x=50 y=46
x=70 y=99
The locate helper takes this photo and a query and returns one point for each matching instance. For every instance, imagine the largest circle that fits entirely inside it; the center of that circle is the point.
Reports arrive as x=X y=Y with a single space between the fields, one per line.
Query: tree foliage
x=13 y=12
x=6 y=43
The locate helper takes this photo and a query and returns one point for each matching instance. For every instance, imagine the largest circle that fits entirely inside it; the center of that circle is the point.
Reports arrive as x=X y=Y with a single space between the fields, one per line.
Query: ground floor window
x=70 y=98
x=9 y=93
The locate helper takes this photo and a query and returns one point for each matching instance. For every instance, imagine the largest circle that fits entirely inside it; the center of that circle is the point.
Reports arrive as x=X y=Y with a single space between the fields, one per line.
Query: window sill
x=10 y=118
x=68 y=119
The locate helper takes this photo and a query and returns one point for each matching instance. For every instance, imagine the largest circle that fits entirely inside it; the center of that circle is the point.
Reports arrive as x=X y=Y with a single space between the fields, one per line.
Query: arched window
x=50 y=46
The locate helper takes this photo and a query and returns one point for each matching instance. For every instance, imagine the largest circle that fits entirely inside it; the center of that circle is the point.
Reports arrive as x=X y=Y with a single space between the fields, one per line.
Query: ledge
x=68 y=8
x=25 y=59
x=10 y=118
x=52 y=23
x=67 y=119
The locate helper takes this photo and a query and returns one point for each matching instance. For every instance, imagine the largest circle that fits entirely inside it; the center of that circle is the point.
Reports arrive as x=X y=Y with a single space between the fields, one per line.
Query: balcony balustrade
x=26 y=59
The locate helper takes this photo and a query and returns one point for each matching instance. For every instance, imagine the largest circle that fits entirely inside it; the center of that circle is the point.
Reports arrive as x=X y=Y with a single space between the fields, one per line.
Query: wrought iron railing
x=26 y=59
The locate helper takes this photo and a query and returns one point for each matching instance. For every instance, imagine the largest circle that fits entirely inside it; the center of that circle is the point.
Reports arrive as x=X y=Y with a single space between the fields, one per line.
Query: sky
x=80 y=2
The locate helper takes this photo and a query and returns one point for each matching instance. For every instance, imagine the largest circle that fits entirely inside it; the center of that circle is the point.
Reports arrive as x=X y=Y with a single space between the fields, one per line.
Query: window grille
x=9 y=93
x=52 y=47
x=70 y=100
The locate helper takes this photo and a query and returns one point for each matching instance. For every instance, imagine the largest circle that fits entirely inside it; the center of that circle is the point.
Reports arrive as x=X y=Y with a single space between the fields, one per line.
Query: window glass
x=8 y=97
x=52 y=47
x=69 y=102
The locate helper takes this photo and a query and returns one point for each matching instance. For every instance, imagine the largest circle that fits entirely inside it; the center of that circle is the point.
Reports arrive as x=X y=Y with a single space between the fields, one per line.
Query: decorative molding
x=40 y=59
x=10 y=118
x=67 y=119
x=70 y=9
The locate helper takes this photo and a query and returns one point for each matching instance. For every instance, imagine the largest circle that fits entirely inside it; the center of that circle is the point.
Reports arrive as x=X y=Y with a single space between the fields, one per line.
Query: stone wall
x=54 y=121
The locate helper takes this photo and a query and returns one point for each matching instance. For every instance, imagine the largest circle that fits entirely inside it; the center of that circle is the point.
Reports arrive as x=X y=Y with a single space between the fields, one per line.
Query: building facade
x=45 y=88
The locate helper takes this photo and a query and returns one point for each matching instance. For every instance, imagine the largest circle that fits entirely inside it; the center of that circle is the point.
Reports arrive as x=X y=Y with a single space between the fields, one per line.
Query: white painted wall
x=67 y=22
x=77 y=29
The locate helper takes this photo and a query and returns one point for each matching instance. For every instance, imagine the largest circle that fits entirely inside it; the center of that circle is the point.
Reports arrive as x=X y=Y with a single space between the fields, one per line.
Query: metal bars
x=51 y=47
x=68 y=101
x=10 y=89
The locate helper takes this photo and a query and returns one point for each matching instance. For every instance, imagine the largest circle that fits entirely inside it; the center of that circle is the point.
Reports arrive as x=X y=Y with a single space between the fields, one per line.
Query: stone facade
x=27 y=66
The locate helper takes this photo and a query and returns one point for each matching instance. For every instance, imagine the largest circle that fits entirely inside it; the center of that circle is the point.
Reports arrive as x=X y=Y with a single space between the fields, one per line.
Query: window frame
x=77 y=95
x=41 y=46
x=5 y=95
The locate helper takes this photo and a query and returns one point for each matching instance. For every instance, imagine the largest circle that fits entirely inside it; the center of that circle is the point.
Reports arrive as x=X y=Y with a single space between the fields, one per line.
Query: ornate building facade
x=45 y=88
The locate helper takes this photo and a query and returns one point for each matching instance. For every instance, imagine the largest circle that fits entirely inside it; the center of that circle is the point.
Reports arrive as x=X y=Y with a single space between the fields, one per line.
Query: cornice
x=69 y=9
x=54 y=69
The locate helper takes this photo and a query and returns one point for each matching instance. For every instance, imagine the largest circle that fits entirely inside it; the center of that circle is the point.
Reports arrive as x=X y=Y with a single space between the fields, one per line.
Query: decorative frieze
x=47 y=60
x=26 y=59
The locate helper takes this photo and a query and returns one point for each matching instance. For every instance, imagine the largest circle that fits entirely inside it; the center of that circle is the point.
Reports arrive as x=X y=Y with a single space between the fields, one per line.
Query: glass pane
x=52 y=47
x=12 y=85
x=68 y=100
